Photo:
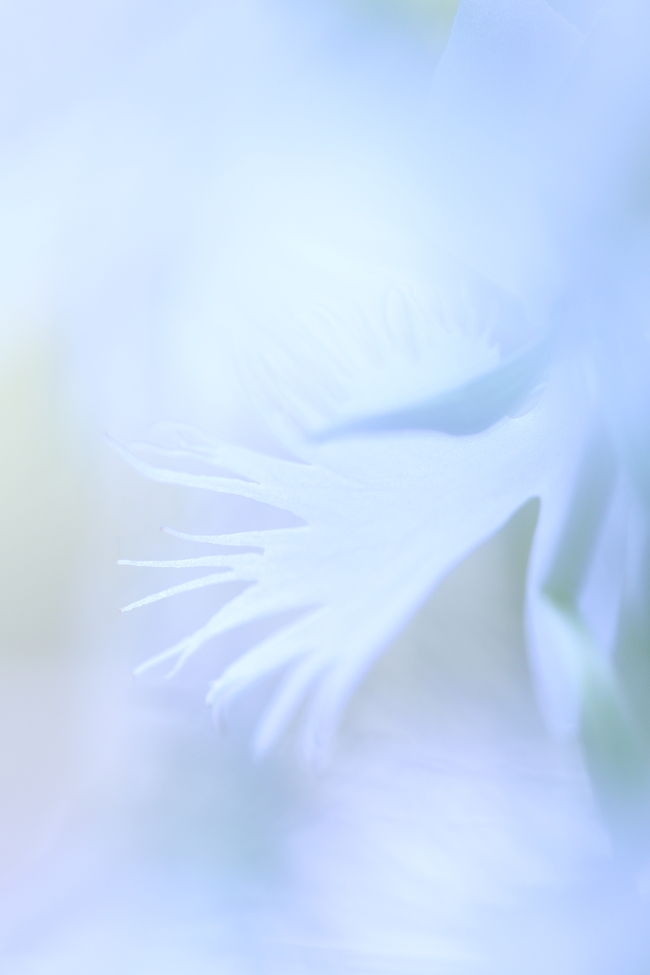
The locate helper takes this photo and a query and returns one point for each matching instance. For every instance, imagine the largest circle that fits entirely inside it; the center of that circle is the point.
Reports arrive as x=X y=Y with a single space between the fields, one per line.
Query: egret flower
x=382 y=520
x=425 y=434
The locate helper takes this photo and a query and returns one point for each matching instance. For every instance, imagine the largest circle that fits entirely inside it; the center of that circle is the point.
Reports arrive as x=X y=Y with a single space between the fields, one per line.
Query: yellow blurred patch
x=44 y=498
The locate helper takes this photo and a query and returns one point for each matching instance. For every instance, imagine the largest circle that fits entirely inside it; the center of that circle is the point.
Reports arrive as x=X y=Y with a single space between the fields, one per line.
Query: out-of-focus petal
x=493 y=100
x=575 y=577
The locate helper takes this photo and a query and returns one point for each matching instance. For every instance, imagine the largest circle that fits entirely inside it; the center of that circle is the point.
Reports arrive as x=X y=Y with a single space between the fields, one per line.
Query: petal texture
x=383 y=519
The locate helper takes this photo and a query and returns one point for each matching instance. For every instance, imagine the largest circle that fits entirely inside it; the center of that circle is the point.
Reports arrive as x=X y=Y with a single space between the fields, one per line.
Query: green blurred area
x=430 y=17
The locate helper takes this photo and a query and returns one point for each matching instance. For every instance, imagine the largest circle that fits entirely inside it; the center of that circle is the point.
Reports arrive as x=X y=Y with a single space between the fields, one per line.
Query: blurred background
x=176 y=179
x=172 y=174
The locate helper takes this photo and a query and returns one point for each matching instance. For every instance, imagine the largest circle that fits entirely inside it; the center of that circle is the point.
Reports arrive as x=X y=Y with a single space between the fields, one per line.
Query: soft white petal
x=385 y=518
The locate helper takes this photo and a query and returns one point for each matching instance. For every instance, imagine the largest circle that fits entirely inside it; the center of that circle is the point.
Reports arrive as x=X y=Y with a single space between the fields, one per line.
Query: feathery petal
x=383 y=520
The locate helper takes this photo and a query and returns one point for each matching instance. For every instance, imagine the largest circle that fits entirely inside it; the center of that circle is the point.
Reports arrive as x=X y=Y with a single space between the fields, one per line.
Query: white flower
x=475 y=423
x=382 y=519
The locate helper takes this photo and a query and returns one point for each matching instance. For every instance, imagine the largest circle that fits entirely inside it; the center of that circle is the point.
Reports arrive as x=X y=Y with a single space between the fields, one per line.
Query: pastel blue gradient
x=361 y=289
